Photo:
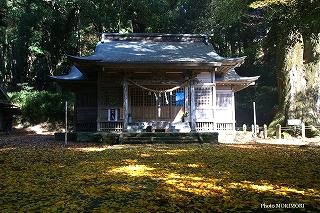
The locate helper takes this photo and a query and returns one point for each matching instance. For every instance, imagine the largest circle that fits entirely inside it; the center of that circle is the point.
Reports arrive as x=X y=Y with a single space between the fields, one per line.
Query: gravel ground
x=24 y=141
x=26 y=138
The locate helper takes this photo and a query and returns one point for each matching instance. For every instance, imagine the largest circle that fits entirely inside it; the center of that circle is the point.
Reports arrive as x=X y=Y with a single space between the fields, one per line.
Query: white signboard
x=294 y=122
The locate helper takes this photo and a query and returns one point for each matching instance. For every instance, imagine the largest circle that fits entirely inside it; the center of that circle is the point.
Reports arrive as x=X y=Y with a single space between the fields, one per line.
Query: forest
x=281 y=39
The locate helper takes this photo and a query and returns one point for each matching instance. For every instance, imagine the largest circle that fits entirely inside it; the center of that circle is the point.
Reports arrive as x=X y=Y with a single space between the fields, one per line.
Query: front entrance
x=147 y=105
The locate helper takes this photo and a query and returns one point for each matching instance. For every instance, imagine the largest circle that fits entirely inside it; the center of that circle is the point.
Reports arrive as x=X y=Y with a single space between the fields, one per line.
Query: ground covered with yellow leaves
x=157 y=178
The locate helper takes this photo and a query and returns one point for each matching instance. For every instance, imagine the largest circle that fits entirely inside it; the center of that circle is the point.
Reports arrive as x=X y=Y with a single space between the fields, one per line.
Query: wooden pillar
x=233 y=112
x=125 y=105
x=192 y=108
x=186 y=104
x=99 y=98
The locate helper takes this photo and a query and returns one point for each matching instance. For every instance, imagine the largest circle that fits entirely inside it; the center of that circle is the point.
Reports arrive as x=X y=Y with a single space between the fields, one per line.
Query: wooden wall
x=86 y=108
x=110 y=95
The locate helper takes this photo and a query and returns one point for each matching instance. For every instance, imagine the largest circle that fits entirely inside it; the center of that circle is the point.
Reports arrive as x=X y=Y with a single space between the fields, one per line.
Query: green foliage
x=278 y=119
x=312 y=132
x=41 y=106
x=286 y=135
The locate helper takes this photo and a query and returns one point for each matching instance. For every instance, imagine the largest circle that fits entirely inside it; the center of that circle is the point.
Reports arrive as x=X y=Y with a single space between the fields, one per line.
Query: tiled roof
x=232 y=76
x=236 y=82
x=73 y=75
x=162 y=49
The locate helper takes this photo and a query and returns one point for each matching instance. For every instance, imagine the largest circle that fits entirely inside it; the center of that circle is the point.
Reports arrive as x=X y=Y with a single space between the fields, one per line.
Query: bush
x=312 y=132
x=42 y=106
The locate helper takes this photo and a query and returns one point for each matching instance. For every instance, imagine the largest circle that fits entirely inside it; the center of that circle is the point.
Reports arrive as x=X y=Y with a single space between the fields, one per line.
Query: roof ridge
x=157 y=37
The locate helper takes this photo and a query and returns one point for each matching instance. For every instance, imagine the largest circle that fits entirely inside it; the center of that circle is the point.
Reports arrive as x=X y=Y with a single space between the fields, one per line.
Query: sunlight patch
x=194 y=184
x=175 y=151
x=7 y=149
x=89 y=149
x=134 y=170
x=193 y=165
x=242 y=146
x=266 y=187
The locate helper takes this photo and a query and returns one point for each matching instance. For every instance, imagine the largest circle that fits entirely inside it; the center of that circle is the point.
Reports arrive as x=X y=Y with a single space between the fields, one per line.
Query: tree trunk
x=299 y=79
x=291 y=79
x=312 y=73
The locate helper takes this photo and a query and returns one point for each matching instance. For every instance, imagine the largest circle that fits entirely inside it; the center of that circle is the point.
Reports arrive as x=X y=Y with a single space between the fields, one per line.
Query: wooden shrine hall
x=154 y=82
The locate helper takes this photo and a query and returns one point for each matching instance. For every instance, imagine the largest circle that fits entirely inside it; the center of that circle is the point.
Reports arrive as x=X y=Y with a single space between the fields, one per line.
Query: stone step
x=145 y=137
x=159 y=140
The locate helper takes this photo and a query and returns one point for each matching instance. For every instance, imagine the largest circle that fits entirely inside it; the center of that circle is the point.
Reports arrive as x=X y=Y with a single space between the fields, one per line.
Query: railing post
x=303 y=130
x=244 y=127
x=265 y=131
x=278 y=131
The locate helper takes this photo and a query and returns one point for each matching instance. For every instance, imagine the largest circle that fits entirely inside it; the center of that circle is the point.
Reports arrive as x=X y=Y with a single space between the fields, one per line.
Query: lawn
x=153 y=178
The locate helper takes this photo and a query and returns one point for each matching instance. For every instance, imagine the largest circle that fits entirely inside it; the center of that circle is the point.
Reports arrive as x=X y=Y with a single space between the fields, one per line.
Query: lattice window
x=137 y=96
x=224 y=100
x=203 y=96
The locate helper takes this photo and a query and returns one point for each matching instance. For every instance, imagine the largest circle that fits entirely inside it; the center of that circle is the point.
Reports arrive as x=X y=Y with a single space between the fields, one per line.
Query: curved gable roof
x=174 y=49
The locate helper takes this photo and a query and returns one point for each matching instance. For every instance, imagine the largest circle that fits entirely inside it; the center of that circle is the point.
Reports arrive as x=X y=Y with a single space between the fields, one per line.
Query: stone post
x=303 y=130
x=278 y=131
x=244 y=127
x=257 y=130
x=265 y=131
x=253 y=131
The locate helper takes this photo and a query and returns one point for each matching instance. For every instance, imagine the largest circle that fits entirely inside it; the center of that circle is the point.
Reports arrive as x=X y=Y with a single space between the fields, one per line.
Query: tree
x=293 y=29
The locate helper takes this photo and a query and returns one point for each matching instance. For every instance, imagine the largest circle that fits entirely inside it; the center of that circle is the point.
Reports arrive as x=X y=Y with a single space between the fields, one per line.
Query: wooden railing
x=200 y=126
x=205 y=126
x=225 y=127
x=110 y=126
